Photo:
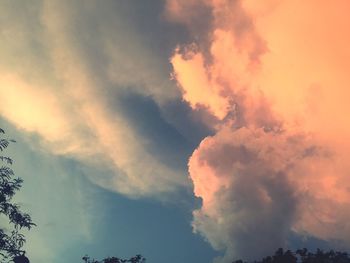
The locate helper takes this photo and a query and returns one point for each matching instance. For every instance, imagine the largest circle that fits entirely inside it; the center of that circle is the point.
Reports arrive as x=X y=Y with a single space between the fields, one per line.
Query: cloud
x=71 y=98
x=270 y=82
x=207 y=78
x=250 y=182
x=275 y=80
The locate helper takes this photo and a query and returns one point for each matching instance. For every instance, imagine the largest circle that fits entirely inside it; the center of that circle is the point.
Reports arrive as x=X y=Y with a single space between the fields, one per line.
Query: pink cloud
x=275 y=75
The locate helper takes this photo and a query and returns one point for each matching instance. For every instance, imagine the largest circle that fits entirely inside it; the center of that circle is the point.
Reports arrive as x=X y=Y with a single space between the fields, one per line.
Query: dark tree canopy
x=11 y=239
x=304 y=256
x=136 y=259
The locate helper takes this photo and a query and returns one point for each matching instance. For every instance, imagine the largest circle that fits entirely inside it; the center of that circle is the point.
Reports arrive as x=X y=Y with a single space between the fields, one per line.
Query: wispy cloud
x=75 y=108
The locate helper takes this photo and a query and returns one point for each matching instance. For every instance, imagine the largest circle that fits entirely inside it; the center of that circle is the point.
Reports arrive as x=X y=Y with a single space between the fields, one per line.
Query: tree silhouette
x=136 y=259
x=304 y=256
x=11 y=240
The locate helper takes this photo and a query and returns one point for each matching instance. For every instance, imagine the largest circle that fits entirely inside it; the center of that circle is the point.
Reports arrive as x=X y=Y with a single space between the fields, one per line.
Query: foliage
x=136 y=259
x=11 y=241
x=304 y=256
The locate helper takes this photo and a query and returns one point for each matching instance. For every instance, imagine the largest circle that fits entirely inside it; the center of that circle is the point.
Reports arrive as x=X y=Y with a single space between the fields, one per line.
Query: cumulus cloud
x=253 y=184
x=273 y=75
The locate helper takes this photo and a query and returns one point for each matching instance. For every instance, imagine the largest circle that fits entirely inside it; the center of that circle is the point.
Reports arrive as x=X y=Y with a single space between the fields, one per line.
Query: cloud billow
x=275 y=166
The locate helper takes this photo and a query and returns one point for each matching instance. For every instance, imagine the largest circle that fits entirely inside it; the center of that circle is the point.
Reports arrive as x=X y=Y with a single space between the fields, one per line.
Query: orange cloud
x=203 y=92
x=275 y=74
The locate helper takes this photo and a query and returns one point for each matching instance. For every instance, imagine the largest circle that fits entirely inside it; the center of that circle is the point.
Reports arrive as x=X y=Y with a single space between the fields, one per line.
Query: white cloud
x=70 y=107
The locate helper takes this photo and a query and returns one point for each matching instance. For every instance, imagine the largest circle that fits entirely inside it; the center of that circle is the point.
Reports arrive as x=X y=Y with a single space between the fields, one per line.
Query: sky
x=186 y=131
